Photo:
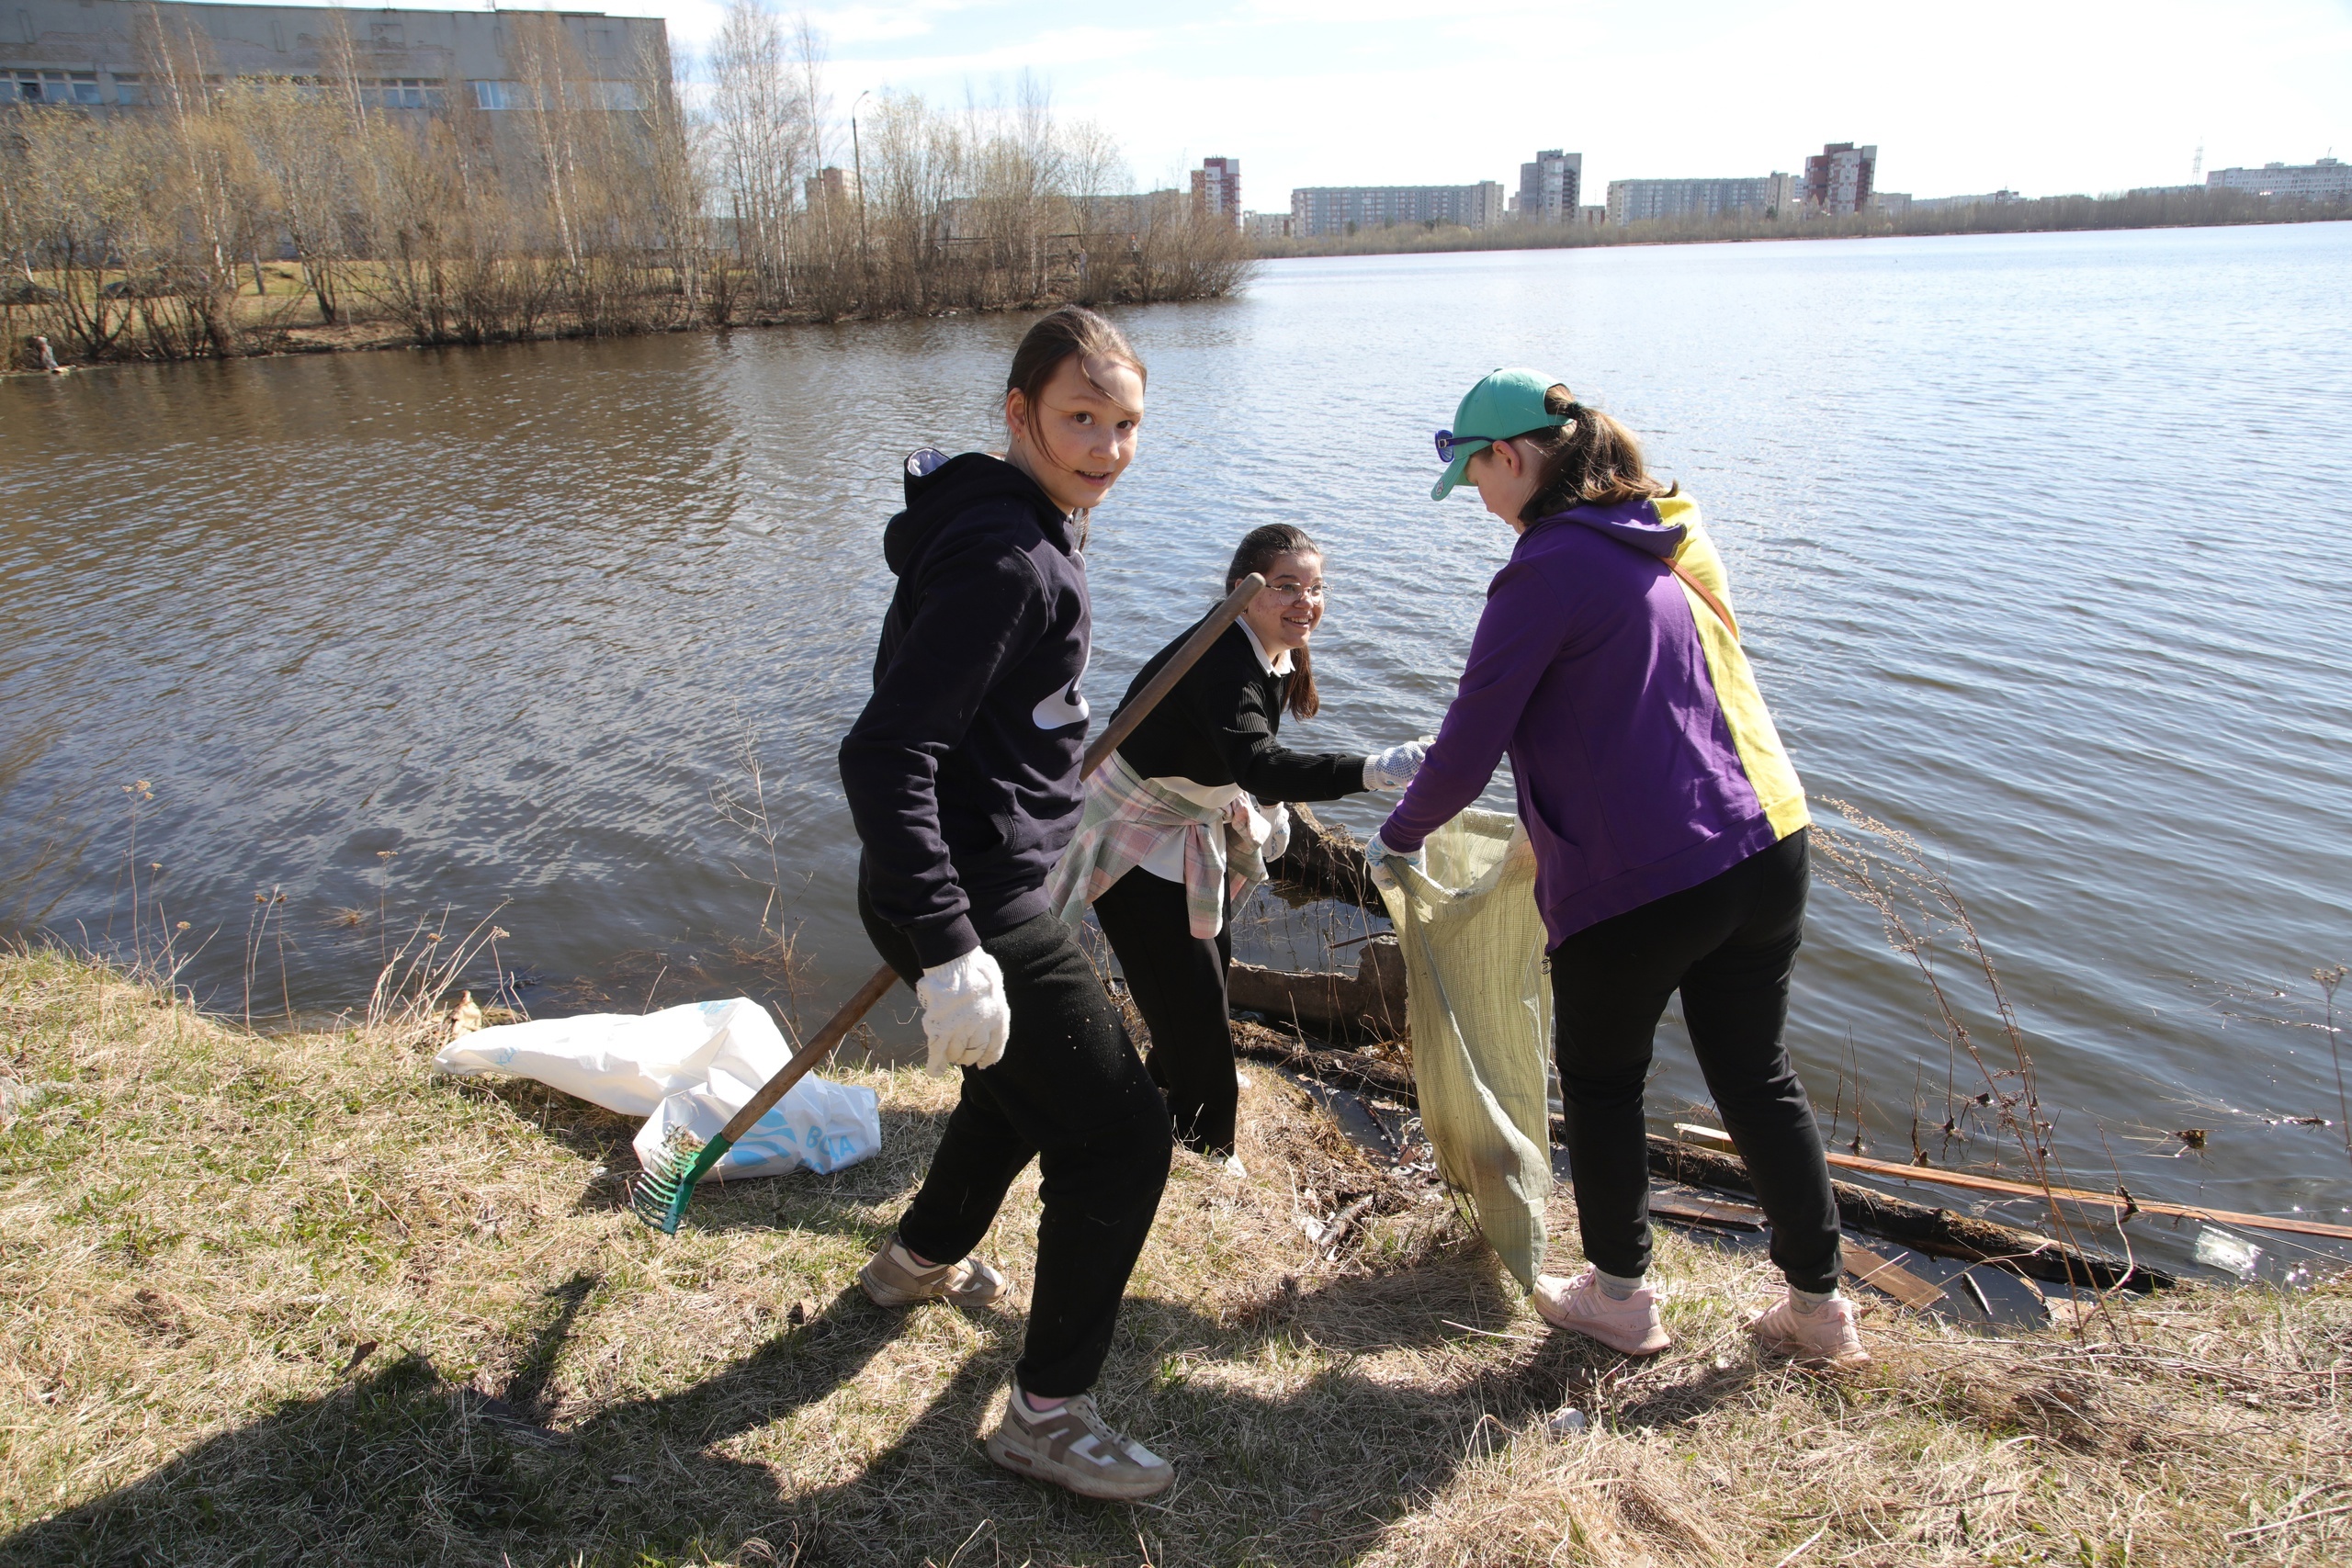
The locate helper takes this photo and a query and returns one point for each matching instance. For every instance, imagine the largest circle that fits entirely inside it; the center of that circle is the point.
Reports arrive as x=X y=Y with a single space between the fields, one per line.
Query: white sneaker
x=1630 y=1327
x=1073 y=1446
x=1822 y=1337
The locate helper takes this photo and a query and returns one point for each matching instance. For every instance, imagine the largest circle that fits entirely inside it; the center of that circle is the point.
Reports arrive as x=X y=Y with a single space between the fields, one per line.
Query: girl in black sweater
x=1179 y=824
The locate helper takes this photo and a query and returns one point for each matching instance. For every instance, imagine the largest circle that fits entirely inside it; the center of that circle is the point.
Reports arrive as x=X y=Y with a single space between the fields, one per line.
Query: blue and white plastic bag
x=688 y=1068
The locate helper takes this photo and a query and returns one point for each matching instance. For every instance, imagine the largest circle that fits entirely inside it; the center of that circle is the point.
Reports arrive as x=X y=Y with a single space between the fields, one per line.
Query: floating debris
x=2193 y=1136
x=2220 y=1249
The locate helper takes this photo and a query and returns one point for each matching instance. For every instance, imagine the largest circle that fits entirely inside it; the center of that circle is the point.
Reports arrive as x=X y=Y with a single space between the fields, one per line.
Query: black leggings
x=1730 y=946
x=1177 y=982
x=1069 y=1092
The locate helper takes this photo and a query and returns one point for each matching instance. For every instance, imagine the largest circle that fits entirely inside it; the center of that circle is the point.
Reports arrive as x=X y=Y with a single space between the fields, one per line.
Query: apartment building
x=2330 y=179
x=1216 y=189
x=1839 y=178
x=1638 y=201
x=1317 y=210
x=1551 y=188
x=101 y=54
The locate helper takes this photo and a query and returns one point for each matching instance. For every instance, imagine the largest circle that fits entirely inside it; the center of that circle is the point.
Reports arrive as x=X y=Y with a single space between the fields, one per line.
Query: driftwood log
x=1366 y=1005
x=1924 y=1229
x=1348 y=1069
x=1324 y=862
x=1914 y=1225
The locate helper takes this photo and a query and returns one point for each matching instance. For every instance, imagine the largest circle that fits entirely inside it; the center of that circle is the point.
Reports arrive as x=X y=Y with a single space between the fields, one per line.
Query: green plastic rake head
x=659 y=1194
x=662 y=1191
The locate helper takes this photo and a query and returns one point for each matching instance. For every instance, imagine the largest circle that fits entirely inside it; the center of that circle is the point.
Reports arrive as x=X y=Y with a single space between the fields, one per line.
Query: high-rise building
x=1839 y=178
x=2330 y=179
x=1551 y=188
x=1342 y=209
x=1266 y=225
x=827 y=184
x=1216 y=189
x=1636 y=202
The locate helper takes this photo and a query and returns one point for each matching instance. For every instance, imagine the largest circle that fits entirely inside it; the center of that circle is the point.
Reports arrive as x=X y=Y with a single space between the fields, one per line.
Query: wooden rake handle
x=878 y=985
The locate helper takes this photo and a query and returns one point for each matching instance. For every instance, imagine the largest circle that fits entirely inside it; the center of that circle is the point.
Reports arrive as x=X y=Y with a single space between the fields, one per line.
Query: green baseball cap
x=1503 y=404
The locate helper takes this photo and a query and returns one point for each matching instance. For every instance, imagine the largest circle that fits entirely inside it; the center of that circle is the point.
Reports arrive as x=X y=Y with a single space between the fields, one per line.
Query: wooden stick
x=2115 y=1201
x=2127 y=1207
x=878 y=985
x=1176 y=669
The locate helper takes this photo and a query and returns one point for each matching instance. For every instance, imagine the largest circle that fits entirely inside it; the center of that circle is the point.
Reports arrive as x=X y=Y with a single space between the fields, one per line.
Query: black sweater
x=962 y=772
x=1218 y=727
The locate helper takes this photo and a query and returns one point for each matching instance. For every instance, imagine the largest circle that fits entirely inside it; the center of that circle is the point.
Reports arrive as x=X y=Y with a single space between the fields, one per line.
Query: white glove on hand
x=965 y=1016
x=1377 y=853
x=1395 y=768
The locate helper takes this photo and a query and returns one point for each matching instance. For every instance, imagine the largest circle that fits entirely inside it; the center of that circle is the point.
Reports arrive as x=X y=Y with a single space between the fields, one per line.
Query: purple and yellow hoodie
x=1644 y=759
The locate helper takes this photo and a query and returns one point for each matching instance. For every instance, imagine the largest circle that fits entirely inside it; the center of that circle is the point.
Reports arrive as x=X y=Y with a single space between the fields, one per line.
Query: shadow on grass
x=400 y=1466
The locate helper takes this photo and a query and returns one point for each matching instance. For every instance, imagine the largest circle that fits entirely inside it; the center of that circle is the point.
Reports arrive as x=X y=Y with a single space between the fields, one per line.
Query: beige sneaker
x=1630 y=1327
x=1822 y=1337
x=1073 y=1446
x=892 y=1278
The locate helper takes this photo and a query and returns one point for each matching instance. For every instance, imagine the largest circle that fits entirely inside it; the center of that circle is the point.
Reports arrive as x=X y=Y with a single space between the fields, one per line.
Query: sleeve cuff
x=944 y=944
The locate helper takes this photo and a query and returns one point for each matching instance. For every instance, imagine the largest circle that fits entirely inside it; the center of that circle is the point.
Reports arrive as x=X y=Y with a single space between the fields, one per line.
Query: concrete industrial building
x=1550 y=189
x=1216 y=189
x=99 y=54
x=2330 y=179
x=1841 y=177
x=1317 y=210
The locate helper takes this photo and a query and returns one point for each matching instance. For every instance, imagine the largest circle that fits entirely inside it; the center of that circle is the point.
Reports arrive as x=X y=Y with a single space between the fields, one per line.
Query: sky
x=2042 y=97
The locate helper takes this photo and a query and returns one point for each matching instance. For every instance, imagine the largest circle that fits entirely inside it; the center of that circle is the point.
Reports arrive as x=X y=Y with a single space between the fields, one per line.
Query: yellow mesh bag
x=1480 y=1011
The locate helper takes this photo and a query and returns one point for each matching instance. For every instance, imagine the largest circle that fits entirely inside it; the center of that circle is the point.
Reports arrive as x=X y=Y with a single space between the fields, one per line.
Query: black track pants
x=1177 y=982
x=1071 y=1093
x=1729 y=945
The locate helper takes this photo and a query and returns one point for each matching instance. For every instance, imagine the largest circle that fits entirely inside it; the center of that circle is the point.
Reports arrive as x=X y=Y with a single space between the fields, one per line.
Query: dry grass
x=202 y=1234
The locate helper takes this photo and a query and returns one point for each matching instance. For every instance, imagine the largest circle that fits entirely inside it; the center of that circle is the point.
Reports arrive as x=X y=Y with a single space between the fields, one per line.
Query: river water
x=2038 y=541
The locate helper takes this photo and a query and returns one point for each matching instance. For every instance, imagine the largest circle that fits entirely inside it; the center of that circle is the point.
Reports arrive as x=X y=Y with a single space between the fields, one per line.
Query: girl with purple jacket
x=1669 y=836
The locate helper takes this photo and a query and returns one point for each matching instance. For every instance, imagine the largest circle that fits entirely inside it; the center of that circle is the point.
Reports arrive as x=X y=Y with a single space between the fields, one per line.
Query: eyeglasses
x=1292 y=593
x=1447 y=441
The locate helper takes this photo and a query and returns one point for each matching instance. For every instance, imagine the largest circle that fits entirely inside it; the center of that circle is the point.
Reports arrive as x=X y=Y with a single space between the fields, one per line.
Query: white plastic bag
x=686 y=1067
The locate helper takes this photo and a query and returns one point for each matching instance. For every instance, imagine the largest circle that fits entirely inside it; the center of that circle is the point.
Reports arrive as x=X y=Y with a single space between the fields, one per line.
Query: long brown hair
x=1590 y=459
x=1054 y=337
x=1259 y=549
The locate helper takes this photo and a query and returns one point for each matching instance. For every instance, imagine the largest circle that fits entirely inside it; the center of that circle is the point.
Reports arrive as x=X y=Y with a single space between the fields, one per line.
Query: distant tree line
x=2135 y=209
x=146 y=232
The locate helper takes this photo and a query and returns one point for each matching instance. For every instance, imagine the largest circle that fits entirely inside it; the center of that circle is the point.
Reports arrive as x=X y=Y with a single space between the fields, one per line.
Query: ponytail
x=1592 y=459
x=1259 y=549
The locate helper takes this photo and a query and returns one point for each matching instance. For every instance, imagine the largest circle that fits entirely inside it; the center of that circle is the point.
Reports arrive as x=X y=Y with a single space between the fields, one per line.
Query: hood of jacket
x=941 y=489
x=1635 y=522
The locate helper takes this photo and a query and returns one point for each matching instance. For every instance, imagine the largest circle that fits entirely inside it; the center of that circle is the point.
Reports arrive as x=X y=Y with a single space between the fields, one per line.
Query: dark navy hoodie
x=962 y=772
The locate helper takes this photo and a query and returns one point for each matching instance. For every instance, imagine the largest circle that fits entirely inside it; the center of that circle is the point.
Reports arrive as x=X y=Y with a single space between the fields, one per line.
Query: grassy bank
x=294 y=1300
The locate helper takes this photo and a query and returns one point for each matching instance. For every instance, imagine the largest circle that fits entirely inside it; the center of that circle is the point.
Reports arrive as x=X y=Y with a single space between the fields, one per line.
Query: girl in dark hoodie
x=963 y=780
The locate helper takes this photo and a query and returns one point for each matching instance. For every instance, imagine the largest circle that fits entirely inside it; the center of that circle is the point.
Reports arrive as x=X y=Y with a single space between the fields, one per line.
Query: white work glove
x=1377 y=855
x=965 y=1016
x=1395 y=768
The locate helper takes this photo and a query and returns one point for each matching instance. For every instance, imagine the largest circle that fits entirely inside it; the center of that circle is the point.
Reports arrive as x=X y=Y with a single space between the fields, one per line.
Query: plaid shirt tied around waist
x=1126 y=816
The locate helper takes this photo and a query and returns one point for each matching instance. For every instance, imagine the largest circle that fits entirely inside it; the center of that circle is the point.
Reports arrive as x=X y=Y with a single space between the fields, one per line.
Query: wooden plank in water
x=1886 y=1274
x=1693 y=1209
x=2120 y=1204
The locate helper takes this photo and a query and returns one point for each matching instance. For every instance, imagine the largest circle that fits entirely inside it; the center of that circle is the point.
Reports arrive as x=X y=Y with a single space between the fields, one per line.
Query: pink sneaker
x=1823 y=1337
x=1629 y=1327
